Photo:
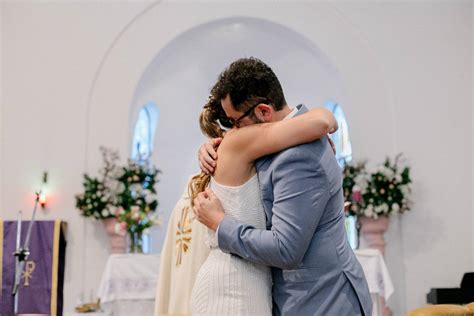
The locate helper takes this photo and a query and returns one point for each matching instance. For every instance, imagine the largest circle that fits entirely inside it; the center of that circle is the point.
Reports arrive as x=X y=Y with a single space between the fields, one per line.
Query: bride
x=227 y=284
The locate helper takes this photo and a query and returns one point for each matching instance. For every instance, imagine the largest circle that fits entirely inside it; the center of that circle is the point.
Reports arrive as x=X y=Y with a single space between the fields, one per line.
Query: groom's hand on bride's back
x=207 y=155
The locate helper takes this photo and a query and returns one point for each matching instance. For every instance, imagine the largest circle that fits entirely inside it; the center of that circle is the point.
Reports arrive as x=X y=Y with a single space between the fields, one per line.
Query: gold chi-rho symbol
x=28 y=273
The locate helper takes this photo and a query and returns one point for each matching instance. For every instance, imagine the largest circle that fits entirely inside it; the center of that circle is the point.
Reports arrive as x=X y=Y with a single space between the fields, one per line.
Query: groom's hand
x=207 y=155
x=208 y=209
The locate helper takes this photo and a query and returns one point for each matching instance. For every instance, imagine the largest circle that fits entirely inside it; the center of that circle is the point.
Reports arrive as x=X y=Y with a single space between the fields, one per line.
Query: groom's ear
x=264 y=113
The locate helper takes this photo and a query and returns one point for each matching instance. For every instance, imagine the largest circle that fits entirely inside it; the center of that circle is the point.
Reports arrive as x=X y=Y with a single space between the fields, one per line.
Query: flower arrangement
x=96 y=200
x=136 y=201
x=126 y=193
x=380 y=192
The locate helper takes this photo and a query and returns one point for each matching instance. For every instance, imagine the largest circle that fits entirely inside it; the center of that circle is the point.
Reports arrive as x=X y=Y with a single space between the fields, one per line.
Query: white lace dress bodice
x=227 y=284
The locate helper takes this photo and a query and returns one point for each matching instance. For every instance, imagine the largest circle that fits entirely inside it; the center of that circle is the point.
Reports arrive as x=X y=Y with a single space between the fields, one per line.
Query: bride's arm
x=258 y=140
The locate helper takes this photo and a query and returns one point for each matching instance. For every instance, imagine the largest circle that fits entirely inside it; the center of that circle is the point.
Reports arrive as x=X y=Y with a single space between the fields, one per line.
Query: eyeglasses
x=236 y=123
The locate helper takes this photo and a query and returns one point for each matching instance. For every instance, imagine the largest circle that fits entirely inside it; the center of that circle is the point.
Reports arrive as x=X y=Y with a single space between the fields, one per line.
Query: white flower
x=149 y=198
x=136 y=216
x=111 y=209
x=105 y=212
x=379 y=209
x=118 y=173
x=120 y=187
x=146 y=231
x=118 y=229
x=385 y=171
x=398 y=178
x=369 y=211
x=136 y=187
x=361 y=181
x=385 y=208
x=395 y=207
x=405 y=189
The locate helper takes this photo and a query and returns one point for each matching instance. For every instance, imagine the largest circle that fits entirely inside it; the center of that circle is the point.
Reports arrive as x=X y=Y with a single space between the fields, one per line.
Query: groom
x=315 y=271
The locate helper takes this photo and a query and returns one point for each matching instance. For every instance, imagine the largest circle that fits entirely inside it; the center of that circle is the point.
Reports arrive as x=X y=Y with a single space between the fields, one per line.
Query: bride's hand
x=207 y=155
x=208 y=209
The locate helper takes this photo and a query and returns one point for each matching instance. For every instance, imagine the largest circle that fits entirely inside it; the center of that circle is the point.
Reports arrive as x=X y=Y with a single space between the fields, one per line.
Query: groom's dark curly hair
x=249 y=79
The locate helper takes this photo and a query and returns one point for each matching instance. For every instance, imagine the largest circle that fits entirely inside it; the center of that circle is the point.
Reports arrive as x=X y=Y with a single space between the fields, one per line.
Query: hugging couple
x=270 y=194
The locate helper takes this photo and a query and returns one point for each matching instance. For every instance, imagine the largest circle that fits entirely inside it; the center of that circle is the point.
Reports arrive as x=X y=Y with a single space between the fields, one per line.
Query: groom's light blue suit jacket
x=315 y=271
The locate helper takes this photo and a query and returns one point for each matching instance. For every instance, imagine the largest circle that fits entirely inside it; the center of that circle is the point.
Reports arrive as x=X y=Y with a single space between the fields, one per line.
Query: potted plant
x=123 y=197
x=376 y=195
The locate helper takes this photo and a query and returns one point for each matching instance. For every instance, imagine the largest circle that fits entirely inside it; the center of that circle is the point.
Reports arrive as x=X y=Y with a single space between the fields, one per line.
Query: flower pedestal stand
x=372 y=236
x=117 y=242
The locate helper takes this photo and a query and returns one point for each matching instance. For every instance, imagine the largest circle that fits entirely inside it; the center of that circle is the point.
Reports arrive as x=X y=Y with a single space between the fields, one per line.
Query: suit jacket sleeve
x=300 y=192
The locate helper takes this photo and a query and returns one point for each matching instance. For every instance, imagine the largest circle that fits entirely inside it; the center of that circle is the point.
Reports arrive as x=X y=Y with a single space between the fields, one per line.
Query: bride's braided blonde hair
x=210 y=120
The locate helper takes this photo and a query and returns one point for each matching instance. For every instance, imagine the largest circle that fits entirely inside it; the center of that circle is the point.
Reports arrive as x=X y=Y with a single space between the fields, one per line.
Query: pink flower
x=118 y=211
x=356 y=196
x=123 y=226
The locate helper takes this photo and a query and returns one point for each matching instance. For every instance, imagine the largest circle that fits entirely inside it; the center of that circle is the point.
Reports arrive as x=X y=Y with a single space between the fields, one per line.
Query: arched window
x=142 y=144
x=144 y=133
x=343 y=155
x=341 y=137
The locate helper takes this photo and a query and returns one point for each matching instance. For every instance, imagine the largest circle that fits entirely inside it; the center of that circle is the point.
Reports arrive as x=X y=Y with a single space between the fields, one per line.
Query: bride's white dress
x=227 y=284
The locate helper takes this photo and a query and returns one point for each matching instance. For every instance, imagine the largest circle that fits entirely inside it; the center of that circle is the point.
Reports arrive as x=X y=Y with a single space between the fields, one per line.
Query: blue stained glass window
x=142 y=145
x=340 y=138
x=343 y=145
x=144 y=133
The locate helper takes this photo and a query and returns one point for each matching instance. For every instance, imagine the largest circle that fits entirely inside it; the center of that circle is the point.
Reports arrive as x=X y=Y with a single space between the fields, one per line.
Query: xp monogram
x=28 y=273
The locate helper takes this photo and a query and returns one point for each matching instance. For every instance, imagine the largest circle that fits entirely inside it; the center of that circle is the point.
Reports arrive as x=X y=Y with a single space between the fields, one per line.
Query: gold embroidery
x=183 y=240
x=28 y=273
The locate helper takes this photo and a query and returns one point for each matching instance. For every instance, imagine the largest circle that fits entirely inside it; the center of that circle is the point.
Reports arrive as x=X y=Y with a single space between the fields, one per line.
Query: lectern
x=42 y=279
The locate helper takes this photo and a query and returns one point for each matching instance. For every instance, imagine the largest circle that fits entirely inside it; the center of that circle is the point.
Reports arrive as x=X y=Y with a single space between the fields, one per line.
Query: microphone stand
x=22 y=253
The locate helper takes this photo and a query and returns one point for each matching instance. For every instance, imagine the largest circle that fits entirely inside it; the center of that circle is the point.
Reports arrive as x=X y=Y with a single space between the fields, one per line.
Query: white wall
x=424 y=50
x=50 y=58
x=68 y=86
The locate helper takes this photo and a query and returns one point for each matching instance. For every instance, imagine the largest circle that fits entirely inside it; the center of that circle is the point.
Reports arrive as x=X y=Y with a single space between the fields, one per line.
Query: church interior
x=99 y=114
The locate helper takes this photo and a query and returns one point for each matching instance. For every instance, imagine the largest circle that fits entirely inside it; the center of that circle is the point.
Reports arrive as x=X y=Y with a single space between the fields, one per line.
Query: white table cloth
x=86 y=314
x=378 y=278
x=128 y=284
